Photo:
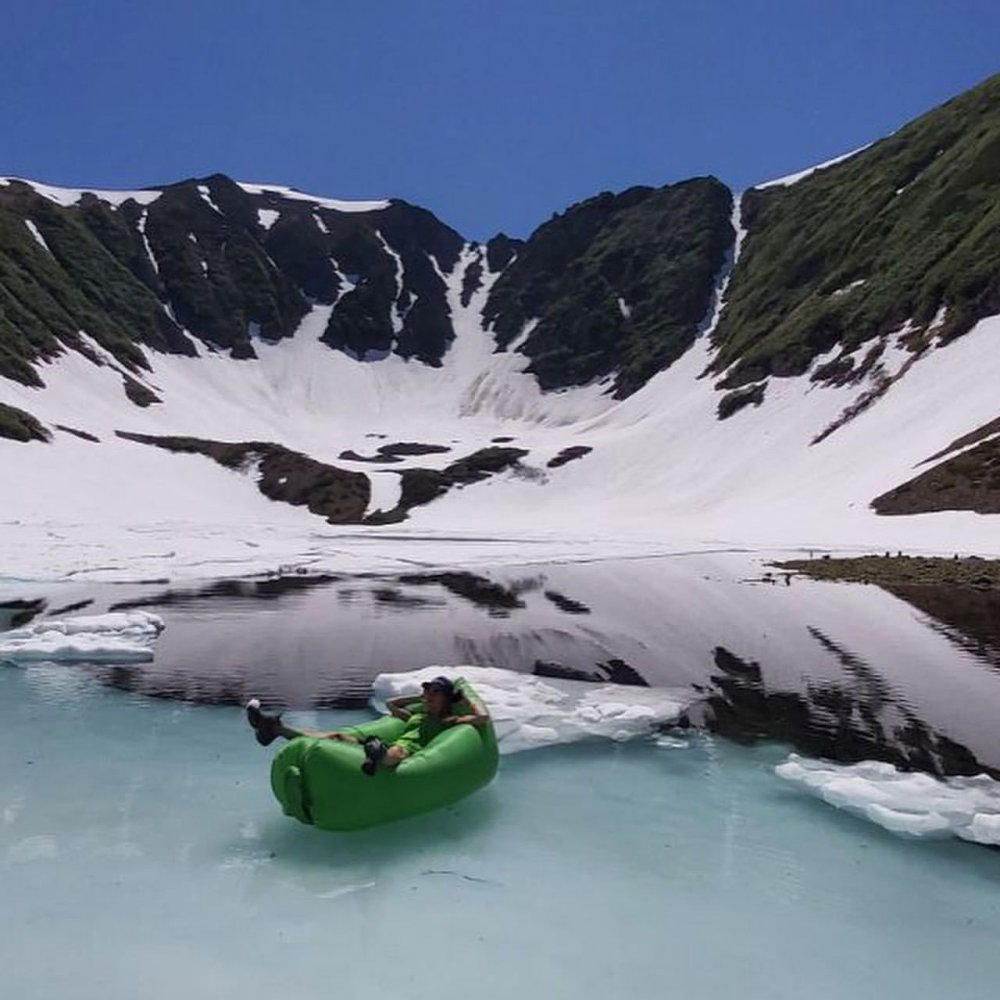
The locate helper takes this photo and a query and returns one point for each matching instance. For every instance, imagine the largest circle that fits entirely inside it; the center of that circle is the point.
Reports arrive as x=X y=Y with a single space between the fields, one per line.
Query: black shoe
x=374 y=752
x=267 y=728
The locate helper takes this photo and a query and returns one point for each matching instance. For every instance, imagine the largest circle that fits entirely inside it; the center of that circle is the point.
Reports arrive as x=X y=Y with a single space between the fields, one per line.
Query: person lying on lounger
x=440 y=706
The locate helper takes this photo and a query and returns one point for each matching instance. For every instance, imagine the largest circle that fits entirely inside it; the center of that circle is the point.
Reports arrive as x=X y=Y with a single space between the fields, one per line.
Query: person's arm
x=476 y=716
x=397 y=707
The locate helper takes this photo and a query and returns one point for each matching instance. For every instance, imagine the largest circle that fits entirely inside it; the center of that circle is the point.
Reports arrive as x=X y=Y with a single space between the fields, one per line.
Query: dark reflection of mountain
x=216 y=689
x=497 y=599
x=15 y=613
x=268 y=588
x=864 y=720
x=826 y=680
x=967 y=616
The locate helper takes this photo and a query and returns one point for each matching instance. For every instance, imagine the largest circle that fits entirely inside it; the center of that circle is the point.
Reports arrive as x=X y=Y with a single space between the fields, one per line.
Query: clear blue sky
x=492 y=113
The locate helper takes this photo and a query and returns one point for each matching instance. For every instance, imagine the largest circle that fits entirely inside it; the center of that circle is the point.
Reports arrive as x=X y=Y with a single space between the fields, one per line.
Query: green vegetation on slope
x=618 y=284
x=855 y=250
x=197 y=260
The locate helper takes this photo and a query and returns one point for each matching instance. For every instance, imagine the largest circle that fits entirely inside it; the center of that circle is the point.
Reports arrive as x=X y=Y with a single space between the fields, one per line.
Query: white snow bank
x=336 y=204
x=911 y=804
x=530 y=712
x=117 y=637
x=802 y=174
x=70 y=196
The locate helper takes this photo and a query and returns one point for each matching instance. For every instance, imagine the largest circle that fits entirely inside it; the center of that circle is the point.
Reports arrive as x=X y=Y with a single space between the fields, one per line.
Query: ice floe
x=530 y=712
x=117 y=637
x=908 y=803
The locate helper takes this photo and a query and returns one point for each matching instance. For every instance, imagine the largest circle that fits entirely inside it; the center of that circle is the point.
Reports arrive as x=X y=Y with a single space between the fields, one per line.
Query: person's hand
x=452 y=720
x=339 y=737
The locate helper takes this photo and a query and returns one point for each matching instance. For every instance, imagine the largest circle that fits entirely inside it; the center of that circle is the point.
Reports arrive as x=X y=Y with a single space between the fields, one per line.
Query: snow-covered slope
x=252 y=344
x=664 y=472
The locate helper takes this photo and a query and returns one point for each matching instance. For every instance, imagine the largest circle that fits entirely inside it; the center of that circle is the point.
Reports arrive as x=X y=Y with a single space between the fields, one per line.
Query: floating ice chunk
x=912 y=804
x=118 y=637
x=531 y=711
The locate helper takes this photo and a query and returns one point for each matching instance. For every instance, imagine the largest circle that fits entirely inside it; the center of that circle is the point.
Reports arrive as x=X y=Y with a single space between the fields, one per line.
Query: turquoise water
x=141 y=855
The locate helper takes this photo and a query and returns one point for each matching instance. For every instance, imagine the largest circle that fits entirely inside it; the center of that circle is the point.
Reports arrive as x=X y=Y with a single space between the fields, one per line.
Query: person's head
x=439 y=696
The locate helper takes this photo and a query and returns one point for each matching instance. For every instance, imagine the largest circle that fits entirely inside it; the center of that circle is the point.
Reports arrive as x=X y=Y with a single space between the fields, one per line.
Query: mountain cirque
x=850 y=280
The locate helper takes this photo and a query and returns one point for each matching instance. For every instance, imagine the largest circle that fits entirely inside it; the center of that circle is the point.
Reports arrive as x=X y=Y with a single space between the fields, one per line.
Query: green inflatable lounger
x=321 y=782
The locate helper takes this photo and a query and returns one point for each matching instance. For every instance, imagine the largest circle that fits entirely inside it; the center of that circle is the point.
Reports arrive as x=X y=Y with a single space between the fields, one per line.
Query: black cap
x=442 y=684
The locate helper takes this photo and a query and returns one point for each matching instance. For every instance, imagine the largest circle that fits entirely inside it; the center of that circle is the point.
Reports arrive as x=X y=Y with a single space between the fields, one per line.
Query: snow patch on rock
x=332 y=203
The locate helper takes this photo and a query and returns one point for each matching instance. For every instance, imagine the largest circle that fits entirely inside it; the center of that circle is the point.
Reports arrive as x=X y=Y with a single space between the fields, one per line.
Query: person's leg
x=377 y=755
x=269 y=727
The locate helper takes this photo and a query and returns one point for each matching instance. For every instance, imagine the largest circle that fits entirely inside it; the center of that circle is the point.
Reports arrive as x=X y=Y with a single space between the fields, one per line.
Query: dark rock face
x=500 y=251
x=618 y=284
x=399 y=301
x=199 y=262
x=82 y=435
x=17 y=425
x=287 y=476
x=140 y=394
x=969 y=481
x=850 y=253
x=395 y=452
x=738 y=399
x=420 y=486
x=570 y=454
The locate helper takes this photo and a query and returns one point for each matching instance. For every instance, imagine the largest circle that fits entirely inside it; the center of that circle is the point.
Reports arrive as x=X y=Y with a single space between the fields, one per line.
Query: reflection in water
x=967 y=616
x=865 y=720
x=843 y=672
